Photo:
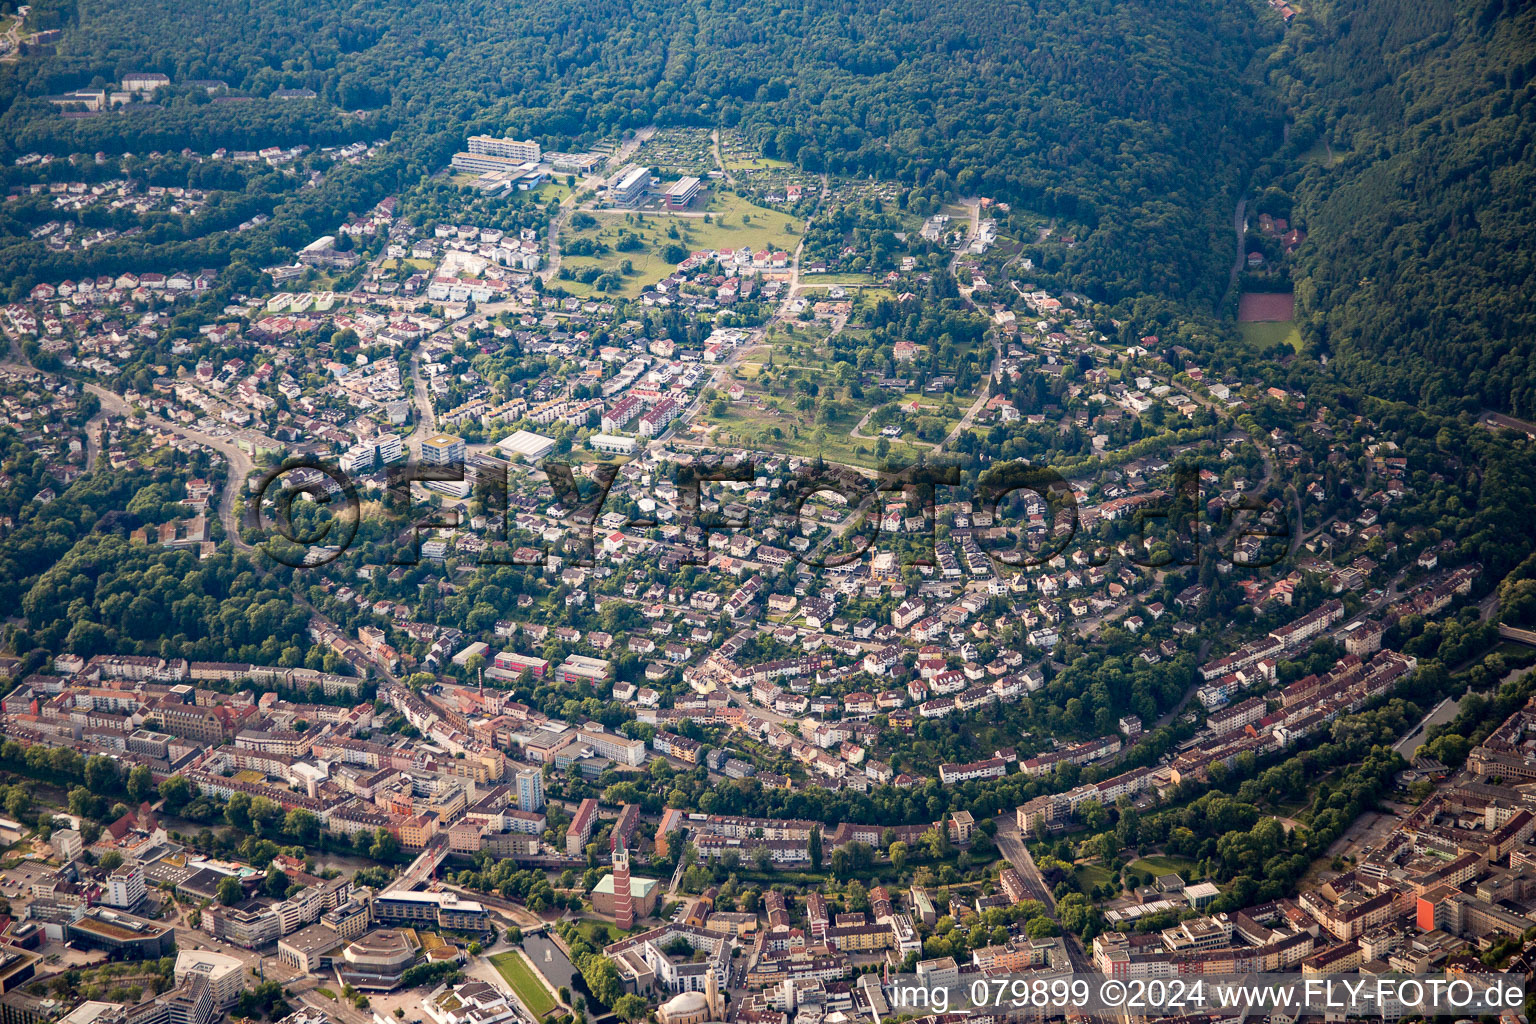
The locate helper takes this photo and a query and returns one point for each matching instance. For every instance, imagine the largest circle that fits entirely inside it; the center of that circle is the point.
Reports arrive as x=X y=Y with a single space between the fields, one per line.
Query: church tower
x=623 y=901
x=712 y=996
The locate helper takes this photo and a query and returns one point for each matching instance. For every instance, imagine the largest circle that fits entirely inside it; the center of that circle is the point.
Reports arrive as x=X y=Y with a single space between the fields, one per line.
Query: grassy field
x=735 y=162
x=1318 y=154
x=755 y=429
x=556 y=190
x=769 y=415
x=779 y=425
x=1265 y=335
x=414 y=264
x=1162 y=865
x=1091 y=876
x=647 y=263
x=768 y=229
x=763 y=229
x=828 y=280
x=519 y=973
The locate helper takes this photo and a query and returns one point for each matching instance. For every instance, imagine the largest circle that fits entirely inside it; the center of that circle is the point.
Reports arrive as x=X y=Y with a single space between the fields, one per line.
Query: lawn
x=1266 y=335
x=415 y=264
x=1162 y=865
x=767 y=229
x=520 y=974
x=798 y=434
x=802 y=352
x=828 y=280
x=555 y=189
x=647 y=265
x=764 y=229
x=737 y=162
x=600 y=932
x=1091 y=876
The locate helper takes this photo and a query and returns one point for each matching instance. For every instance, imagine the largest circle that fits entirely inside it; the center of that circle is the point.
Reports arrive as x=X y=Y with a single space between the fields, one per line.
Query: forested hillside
x=1421 y=259
x=1409 y=162
x=1135 y=121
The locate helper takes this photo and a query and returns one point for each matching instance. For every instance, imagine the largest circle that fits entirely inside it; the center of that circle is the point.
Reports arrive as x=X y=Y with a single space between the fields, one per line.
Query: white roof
x=526 y=443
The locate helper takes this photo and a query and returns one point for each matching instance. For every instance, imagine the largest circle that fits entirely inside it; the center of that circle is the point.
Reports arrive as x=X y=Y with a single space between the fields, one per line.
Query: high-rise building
x=623 y=900
x=390 y=447
x=191 y=1002
x=442 y=450
x=125 y=887
x=530 y=789
x=224 y=973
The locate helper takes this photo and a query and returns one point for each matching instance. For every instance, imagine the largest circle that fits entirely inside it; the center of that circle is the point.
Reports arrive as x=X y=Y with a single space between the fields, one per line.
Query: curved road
x=239 y=463
x=239 y=468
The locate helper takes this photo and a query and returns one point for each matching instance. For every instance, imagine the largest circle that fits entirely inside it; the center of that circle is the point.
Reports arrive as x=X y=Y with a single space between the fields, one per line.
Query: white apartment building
x=125 y=887
x=509 y=148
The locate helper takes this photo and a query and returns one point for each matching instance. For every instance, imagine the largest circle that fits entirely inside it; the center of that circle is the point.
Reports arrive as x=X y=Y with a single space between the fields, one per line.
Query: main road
x=1011 y=844
x=422 y=402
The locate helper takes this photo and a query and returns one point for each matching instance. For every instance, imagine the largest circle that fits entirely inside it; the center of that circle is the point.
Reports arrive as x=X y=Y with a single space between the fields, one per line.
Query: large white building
x=360 y=458
x=225 y=974
x=498 y=166
x=512 y=149
x=525 y=444
x=614 y=746
x=125 y=887
x=530 y=789
x=488 y=154
x=630 y=185
x=613 y=444
x=682 y=192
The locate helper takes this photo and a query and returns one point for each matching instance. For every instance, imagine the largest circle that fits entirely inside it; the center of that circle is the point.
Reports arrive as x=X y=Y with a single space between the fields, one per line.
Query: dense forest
x=1415 y=135
x=1119 y=117
x=1399 y=137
